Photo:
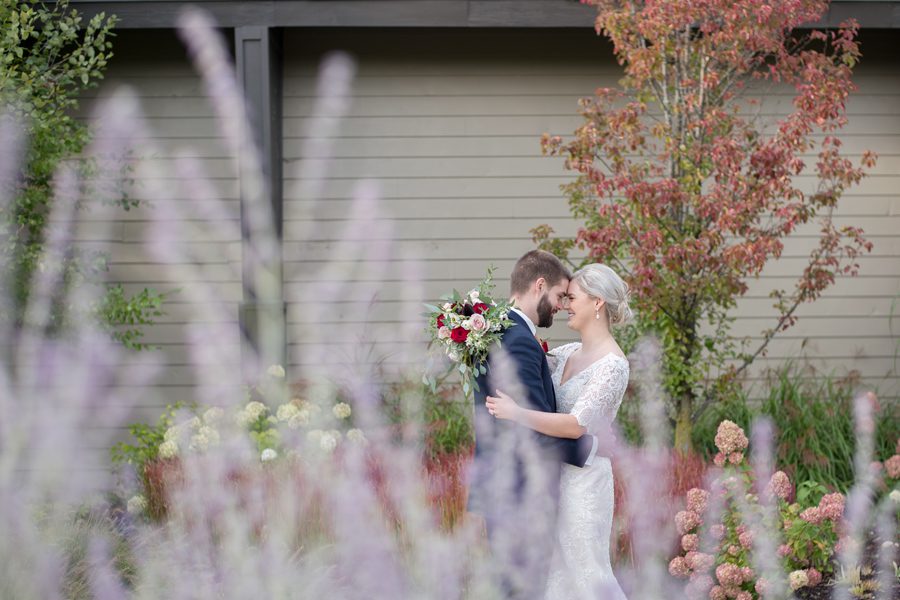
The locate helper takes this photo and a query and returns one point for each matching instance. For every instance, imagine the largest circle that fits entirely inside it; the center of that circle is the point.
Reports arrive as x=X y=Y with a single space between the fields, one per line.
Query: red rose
x=480 y=308
x=544 y=345
x=459 y=335
x=440 y=321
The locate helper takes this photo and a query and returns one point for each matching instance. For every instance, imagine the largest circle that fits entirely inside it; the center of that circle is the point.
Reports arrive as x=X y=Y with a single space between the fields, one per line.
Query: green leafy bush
x=813 y=419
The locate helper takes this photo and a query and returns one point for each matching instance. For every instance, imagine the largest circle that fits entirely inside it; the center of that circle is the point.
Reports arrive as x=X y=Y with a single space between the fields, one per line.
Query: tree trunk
x=683 y=424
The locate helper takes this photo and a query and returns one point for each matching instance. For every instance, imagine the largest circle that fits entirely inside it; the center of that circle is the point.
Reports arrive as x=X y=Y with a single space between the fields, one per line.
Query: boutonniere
x=544 y=345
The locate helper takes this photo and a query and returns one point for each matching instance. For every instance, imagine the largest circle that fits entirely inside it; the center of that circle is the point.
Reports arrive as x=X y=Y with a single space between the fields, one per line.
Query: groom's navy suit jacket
x=533 y=373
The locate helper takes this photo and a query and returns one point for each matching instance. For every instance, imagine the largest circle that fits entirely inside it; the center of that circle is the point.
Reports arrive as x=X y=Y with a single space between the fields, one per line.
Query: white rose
x=473 y=296
x=168 y=449
x=268 y=454
x=447 y=306
x=341 y=410
x=136 y=504
x=276 y=371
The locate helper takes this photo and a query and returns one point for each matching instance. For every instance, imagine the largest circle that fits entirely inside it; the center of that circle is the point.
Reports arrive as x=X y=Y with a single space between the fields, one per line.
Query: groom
x=515 y=475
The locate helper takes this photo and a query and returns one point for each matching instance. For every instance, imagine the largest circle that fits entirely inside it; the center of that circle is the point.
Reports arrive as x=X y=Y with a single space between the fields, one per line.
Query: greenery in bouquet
x=466 y=327
x=809 y=526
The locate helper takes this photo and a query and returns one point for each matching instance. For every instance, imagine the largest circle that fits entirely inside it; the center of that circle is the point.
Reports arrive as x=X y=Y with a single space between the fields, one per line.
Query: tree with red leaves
x=685 y=187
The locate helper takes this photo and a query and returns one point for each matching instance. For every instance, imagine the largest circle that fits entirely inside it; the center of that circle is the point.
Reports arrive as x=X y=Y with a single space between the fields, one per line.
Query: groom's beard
x=545 y=312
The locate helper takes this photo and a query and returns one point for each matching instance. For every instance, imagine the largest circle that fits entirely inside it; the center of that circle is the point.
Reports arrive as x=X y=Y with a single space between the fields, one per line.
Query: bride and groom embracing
x=544 y=492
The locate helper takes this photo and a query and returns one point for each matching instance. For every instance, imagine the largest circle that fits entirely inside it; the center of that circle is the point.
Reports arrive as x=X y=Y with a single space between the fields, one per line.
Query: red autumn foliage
x=688 y=191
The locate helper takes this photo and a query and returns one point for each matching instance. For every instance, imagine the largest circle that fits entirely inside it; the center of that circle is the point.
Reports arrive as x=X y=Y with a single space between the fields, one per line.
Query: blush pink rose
x=443 y=333
x=477 y=323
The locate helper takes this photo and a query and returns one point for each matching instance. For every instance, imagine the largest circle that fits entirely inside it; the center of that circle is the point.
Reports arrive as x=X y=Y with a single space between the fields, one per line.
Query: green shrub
x=813 y=420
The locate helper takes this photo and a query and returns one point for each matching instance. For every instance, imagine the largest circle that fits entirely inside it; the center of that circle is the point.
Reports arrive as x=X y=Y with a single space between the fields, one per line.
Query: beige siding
x=182 y=124
x=448 y=124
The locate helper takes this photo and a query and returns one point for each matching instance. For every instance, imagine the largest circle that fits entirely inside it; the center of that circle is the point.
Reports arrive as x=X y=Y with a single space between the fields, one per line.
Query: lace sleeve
x=601 y=396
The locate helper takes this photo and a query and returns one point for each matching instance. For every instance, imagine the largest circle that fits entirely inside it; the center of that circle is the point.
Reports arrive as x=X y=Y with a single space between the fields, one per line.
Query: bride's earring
x=597 y=314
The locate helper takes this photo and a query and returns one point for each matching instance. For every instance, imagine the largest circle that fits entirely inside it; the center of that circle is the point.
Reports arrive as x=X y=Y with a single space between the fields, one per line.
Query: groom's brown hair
x=534 y=265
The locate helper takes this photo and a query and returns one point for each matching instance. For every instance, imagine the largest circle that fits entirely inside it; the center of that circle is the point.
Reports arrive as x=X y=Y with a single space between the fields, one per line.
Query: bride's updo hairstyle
x=599 y=281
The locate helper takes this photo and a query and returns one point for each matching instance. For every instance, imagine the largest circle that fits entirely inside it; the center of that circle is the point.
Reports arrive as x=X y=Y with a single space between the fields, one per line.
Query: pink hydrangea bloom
x=730 y=438
x=746 y=539
x=719 y=459
x=717 y=593
x=831 y=506
x=690 y=542
x=735 y=458
x=743 y=595
x=732 y=591
x=779 y=486
x=784 y=550
x=734 y=550
x=678 y=568
x=729 y=575
x=892 y=466
x=761 y=586
x=687 y=520
x=717 y=531
x=748 y=574
x=699 y=561
x=697 y=500
x=814 y=577
x=812 y=515
x=698 y=588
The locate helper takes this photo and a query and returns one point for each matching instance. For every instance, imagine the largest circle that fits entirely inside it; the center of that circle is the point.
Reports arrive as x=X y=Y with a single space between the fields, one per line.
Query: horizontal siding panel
x=509 y=227
x=349 y=145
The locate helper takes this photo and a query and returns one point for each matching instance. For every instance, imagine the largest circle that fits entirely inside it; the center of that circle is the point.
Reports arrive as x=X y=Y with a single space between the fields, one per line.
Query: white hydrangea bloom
x=210 y=434
x=341 y=410
x=268 y=454
x=255 y=409
x=301 y=419
x=286 y=411
x=276 y=371
x=213 y=415
x=199 y=442
x=356 y=436
x=172 y=433
x=195 y=423
x=329 y=440
x=168 y=449
x=798 y=579
x=895 y=496
x=136 y=504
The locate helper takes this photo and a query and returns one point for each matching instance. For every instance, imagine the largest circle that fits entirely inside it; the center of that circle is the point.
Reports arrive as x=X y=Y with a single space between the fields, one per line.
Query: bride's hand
x=502 y=406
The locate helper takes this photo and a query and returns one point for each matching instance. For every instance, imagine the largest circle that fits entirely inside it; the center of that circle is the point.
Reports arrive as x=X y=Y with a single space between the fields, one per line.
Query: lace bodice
x=594 y=395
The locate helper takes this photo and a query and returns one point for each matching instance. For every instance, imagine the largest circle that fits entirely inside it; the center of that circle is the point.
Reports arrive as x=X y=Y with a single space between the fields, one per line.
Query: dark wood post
x=258 y=54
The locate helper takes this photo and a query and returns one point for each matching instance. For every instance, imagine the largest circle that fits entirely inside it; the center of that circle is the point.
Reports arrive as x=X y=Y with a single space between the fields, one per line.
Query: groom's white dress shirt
x=533 y=329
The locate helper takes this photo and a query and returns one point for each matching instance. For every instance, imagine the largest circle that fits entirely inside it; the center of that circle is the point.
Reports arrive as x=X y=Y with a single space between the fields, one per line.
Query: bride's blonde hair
x=599 y=281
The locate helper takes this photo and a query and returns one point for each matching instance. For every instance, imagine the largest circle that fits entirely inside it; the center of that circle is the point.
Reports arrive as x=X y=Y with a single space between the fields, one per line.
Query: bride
x=590 y=378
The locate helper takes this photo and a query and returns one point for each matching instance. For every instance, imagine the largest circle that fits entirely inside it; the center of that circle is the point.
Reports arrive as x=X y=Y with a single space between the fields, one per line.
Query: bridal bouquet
x=465 y=328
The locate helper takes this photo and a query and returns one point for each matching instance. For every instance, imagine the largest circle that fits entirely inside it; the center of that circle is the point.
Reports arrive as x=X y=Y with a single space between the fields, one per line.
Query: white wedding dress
x=580 y=568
